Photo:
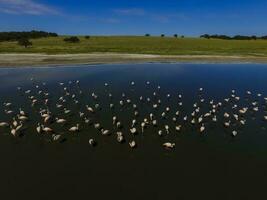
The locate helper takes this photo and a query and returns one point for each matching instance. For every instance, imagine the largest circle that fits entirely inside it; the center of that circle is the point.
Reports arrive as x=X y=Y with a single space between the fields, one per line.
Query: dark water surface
x=212 y=165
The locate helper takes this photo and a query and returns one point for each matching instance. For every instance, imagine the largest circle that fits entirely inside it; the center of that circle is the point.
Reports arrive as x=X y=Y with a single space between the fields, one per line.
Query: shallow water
x=211 y=165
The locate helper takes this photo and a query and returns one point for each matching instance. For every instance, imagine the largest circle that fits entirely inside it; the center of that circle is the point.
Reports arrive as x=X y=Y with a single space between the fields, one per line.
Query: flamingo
x=160 y=133
x=81 y=114
x=66 y=111
x=74 y=128
x=226 y=115
x=47 y=129
x=202 y=128
x=234 y=133
x=114 y=119
x=39 y=128
x=236 y=117
x=13 y=131
x=22 y=117
x=178 y=128
x=15 y=123
x=7 y=104
x=61 y=121
x=227 y=124
x=120 y=138
x=90 y=109
x=47 y=119
x=169 y=145
x=56 y=137
x=97 y=126
x=19 y=126
x=119 y=125
x=87 y=121
x=167 y=129
x=143 y=124
x=105 y=132
x=243 y=110
x=9 y=112
x=134 y=122
x=200 y=119
x=133 y=130
x=21 y=112
x=151 y=116
x=155 y=106
x=4 y=124
x=92 y=142
x=132 y=144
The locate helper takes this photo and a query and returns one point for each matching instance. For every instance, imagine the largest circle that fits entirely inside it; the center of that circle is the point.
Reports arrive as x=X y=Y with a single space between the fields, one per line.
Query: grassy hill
x=141 y=45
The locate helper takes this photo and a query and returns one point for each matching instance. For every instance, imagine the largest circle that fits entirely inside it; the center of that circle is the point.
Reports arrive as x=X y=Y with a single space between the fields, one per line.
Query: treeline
x=15 y=36
x=237 y=37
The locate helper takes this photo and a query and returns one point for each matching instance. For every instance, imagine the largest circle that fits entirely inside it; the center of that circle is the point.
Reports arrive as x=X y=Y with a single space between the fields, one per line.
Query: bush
x=175 y=35
x=162 y=35
x=87 y=37
x=72 y=39
x=147 y=35
x=24 y=42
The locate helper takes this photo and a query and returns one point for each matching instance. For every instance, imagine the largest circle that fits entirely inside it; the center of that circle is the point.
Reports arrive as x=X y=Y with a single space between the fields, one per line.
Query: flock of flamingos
x=230 y=113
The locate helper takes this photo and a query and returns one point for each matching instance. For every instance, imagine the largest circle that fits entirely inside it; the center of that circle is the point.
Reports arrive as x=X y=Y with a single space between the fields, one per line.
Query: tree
x=254 y=37
x=175 y=35
x=162 y=35
x=15 y=36
x=72 y=39
x=226 y=37
x=24 y=42
x=205 y=36
x=147 y=35
x=87 y=37
x=182 y=36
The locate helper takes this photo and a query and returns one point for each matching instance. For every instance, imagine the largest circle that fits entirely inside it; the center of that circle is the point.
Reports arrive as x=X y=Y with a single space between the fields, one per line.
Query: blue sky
x=136 y=17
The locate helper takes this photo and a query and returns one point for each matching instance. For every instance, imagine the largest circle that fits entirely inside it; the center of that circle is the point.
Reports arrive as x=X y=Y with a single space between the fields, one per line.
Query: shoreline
x=14 y=60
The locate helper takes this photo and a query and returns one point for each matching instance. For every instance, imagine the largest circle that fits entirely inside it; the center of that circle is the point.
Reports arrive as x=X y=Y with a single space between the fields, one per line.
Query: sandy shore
x=20 y=60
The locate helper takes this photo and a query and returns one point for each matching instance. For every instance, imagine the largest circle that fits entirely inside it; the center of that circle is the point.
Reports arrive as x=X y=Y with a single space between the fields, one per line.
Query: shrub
x=72 y=39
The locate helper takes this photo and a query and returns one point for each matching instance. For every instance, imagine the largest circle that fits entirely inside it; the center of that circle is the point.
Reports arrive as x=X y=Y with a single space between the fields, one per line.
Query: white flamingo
x=47 y=129
x=202 y=128
x=132 y=144
x=39 y=128
x=169 y=145
x=15 y=123
x=4 y=124
x=74 y=128
x=61 y=121
x=133 y=130
x=167 y=129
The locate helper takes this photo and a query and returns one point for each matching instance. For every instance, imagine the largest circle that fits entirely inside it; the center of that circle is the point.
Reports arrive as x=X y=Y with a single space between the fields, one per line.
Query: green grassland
x=142 y=45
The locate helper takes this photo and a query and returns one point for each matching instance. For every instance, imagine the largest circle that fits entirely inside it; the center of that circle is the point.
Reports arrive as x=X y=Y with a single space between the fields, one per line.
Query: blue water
x=212 y=165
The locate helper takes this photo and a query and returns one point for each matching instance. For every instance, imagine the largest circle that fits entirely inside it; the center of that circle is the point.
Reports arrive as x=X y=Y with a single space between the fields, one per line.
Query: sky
x=136 y=17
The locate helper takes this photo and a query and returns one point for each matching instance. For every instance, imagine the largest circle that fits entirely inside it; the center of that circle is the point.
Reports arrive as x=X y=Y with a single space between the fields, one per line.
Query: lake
x=213 y=164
